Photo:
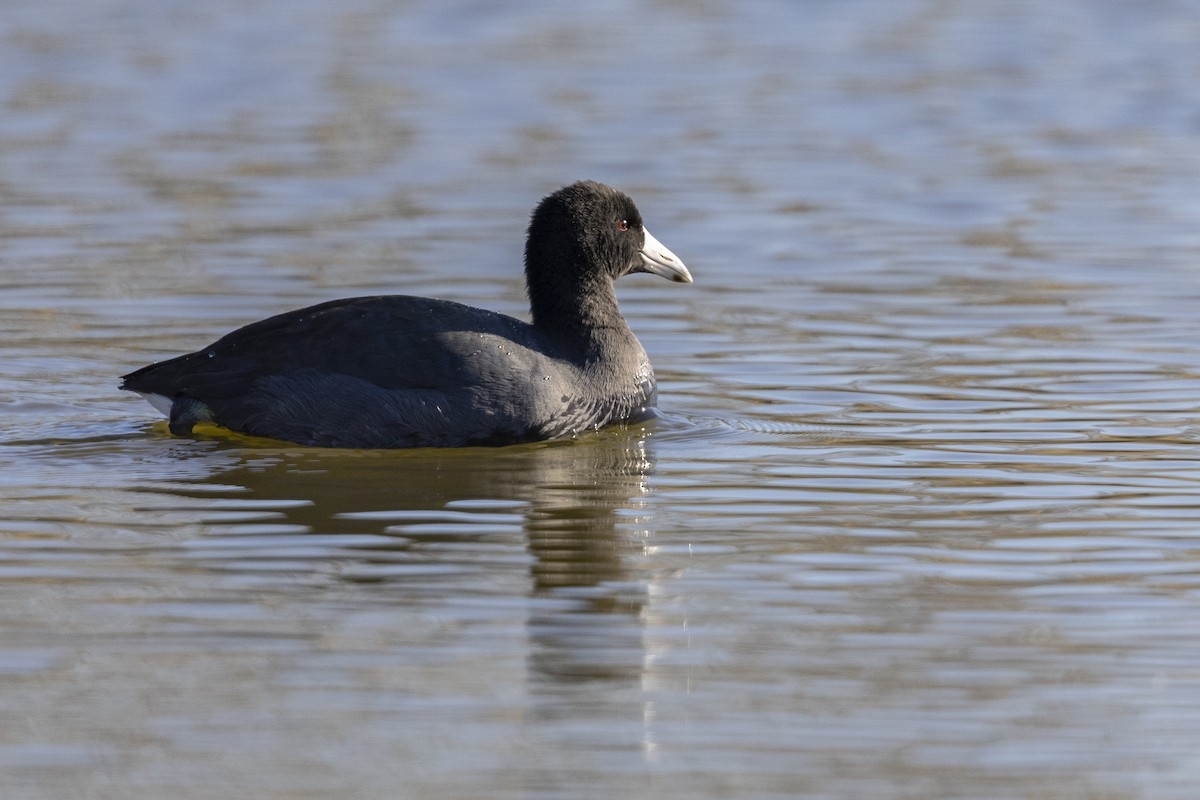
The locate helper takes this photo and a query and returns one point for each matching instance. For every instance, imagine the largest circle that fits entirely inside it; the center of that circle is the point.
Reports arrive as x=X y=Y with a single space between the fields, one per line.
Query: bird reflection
x=582 y=532
x=580 y=502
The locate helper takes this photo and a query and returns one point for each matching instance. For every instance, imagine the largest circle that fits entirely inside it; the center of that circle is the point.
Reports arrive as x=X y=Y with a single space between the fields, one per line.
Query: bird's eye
x=623 y=225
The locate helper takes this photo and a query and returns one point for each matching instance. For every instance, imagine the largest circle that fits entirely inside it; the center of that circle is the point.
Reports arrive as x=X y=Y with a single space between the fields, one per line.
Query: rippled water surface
x=921 y=515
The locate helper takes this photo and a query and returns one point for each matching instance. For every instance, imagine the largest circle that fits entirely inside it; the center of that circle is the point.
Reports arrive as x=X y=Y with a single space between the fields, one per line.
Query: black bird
x=401 y=371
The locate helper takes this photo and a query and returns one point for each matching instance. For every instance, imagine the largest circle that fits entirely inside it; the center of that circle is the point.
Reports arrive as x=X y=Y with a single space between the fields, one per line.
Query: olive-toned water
x=921 y=515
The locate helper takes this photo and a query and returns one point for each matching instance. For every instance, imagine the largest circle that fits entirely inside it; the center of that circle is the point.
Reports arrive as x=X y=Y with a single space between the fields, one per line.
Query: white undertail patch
x=161 y=402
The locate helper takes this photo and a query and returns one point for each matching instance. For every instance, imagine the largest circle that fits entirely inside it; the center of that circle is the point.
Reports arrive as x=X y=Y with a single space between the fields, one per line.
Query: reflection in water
x=576 y=531
x=576 y=503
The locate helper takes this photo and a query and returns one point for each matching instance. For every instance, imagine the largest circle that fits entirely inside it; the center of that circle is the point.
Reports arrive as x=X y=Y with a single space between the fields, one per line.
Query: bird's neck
x=587 y=313
x=589 y=330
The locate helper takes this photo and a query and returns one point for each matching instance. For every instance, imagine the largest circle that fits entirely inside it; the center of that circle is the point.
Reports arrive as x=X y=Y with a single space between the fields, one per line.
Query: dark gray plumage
x=400 y=371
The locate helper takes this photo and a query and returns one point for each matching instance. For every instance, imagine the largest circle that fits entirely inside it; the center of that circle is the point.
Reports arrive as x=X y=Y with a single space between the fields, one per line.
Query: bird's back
x=388 y=371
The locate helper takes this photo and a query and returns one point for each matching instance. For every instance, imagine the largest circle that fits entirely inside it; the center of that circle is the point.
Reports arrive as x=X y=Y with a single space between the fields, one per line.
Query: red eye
x=623 y=225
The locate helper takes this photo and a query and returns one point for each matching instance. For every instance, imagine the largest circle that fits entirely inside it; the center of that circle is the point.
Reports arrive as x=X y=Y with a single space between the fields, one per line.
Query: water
x=919 y=518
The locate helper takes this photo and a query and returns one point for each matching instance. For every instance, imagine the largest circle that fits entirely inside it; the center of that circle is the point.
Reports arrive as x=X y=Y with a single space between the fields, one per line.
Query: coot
x=400 y=371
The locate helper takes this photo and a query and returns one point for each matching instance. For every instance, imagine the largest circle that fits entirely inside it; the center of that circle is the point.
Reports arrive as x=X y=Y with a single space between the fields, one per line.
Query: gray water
x=921 y=515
